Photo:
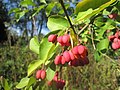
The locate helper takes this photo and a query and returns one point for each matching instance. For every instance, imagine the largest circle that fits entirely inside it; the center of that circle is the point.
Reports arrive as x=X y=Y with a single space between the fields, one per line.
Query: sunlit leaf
x=49 y=8
x=57 y=22
x=103 y=44
x=24 y=82
x=86 y=4
x=34 y=45
x=95 y=11
x=27 y=3
x=50 y=74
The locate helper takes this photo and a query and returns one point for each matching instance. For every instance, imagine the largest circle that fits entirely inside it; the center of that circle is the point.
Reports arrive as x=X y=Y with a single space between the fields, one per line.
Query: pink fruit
x=67 y=56
x=72 y=57
x=115 y=45
x=38 y=74
x=75 y=50
x=63 y=60
x=58 y=60
x=115 y=40
x=81 y=49
x=117 y=34
x=43 y=74
x=59 y=39
x=52 y=38
x=65 y=38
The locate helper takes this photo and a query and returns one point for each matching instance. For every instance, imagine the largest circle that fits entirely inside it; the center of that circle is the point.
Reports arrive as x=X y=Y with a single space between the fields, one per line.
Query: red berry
x=52 y=38
x=63 y=60
x=43 y=74
x=115 y=45
x=67 y=56
x=65 y=38
x=59 y=39
x=117 y=34
x=81 y=49
x=38 y=74
x=75 y=50
x=72 y=57
x=58 y=60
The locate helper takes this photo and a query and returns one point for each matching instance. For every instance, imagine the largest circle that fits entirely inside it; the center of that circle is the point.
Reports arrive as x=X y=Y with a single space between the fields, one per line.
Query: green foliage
x=34 y=45
x=86 y=4
x=91 y=13
x=53 y=20
x=24 y=82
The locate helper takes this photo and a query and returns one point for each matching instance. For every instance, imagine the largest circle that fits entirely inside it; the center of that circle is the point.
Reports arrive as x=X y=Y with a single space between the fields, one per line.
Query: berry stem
x=65 y=11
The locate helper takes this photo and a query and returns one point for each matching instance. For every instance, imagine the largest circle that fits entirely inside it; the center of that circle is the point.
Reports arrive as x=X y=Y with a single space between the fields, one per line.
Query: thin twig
x=91 y=29
x=83 y=28
x=65 y=11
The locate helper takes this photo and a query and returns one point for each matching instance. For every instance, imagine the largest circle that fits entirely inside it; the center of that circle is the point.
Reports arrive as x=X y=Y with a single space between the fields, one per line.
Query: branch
x=83 y=28
x=65 y=11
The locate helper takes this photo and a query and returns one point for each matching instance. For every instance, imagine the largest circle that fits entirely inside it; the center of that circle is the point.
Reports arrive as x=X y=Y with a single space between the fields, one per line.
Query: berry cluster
x=41 y=74
x=63 y=40
x=77 y=56
x=60 y=83
x=115 y=39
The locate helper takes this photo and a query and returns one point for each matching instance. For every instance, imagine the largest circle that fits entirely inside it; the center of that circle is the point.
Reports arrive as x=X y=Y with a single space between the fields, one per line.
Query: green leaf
x=33 y=66
x=57 y=22
x=86 y=4
x=82 y=15
x=20 y=14
x=43 y=1
x=27 y=3
x=14 y=10
x=103 y=44
x=31 y=81
x=24 y=82
x=50 y=74
x=34 y=45
x=97 y=56
x=38 y=10
x=5 y=84
x=49 y=8
x=95 y=11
